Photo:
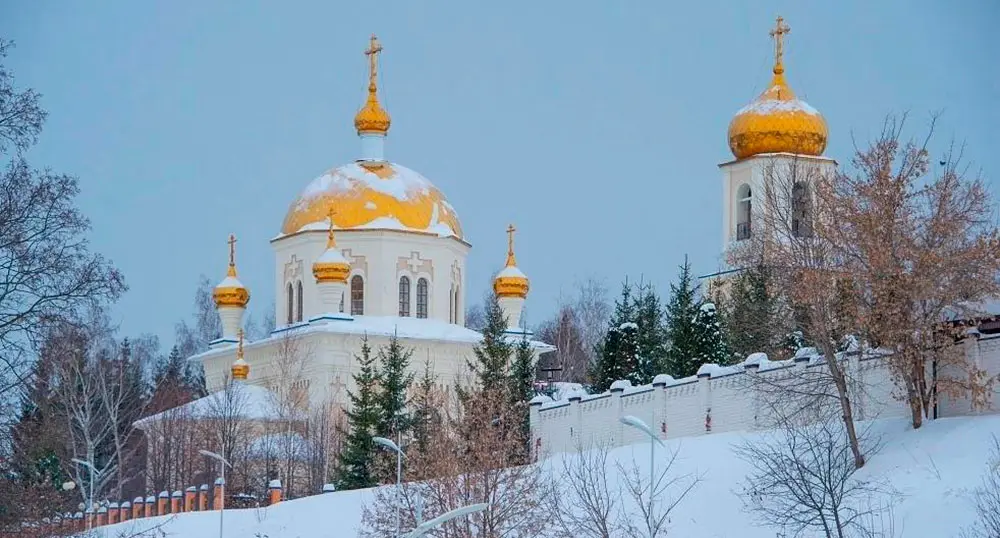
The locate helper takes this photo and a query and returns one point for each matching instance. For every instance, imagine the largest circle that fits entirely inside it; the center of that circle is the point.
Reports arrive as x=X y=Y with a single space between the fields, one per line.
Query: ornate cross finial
x=232 y=255
x=330 y=243
x=510 y=246
x=778 y=33
x=374 y=48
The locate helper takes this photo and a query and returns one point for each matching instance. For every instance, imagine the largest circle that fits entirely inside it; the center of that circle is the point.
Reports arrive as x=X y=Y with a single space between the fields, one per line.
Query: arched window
x=404 y=297
x=298 y=299
x=801 y=210
x=458 y=302
x=743 y=212
x=291 y=303
x=357 y=296
x=422 y=298
x=341 y=303
x=451 y=304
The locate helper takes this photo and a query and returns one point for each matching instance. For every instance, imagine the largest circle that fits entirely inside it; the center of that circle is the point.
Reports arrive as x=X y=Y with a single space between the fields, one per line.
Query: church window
x=458 y=317
x=451 y=304
x=404 y=297
x=298 y=300
x=422 y=298
x=801 y=210
x=743 y=212
x=357 y=296
x=291 y=303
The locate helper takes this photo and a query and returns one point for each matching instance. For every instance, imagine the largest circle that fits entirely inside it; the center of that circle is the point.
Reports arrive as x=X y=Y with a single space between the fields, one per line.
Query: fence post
x=189 y=495
x=274 y=491
x=175 y=502
x=161 y=503
x=203 y=498
x=219 y=493
x=125 y=512
x=102 y=516
x=149 y=505
x=112 y=513
x=137 y=506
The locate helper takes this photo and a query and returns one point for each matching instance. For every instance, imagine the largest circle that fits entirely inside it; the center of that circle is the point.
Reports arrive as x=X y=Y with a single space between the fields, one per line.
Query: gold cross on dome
x=778 y=33
x=232 y=255
x=510 y=245
x=372 y=53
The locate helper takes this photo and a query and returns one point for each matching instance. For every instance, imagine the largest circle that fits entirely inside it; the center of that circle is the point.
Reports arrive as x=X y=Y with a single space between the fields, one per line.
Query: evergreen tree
x=395 y=382
x=356 y=464
x=753 y=323
x=493 y=355
x=710 y=340
x=522 y=389
x=426 y=410
x=610 y=365
x=681 y=314
x=652 y=334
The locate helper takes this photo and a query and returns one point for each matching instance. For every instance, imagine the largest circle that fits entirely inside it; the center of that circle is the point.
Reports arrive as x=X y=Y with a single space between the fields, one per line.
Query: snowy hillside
x=934 y=469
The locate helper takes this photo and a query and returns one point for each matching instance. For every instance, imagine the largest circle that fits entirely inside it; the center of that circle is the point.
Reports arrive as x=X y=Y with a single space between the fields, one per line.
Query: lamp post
x=387 y=443
x=426 y=527
x=638 y=424
x=90 y=497
x=222 y=465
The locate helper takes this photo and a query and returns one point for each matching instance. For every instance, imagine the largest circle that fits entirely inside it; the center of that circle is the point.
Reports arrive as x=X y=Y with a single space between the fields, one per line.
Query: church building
x=369 y=249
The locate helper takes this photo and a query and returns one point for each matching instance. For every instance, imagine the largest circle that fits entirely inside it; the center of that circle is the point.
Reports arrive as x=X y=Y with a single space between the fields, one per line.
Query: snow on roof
x=403 y=184
x=769 y=106
x=230 y=282
x=332 y=255
x=406 y=328
x=250 y=402
x=511 y=272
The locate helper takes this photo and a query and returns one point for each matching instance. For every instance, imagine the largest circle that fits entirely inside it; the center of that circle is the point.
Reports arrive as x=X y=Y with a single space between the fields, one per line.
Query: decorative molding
x=293 y=269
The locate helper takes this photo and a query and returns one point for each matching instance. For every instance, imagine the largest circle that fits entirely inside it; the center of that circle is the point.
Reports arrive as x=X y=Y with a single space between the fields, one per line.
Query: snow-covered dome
x=777 y=121
x=373 y=195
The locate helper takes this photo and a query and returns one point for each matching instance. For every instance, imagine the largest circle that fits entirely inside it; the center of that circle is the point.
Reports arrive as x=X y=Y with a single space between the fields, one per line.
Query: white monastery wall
x=380 y=257
x=719 y=399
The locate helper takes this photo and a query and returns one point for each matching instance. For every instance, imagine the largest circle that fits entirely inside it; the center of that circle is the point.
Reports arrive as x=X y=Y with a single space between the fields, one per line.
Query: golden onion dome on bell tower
x=332 y=265
x=511 y=282
x=240 y=370
x=372 y=118
x=231 y=292
x=776 y=121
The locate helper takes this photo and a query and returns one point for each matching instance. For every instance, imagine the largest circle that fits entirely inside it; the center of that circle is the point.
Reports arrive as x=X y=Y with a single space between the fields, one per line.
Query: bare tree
x=563 y=332
x=986 y=499
x=50 y=274
x=803 y=479
x=289 y=400
x=226 y=416
x=791 y=238
x=470 y=460
x=590 y=506
x=655 y=499
x=922 y=246
x=593 y=309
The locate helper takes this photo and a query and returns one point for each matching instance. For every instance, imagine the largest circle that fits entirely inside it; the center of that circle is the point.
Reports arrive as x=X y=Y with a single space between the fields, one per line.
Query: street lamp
x=93 y=471
x=387 y=443
x=222 y=465
x=427 y=526
x=638 y=424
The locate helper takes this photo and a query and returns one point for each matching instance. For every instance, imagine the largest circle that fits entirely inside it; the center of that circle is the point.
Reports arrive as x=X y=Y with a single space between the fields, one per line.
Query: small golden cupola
x=511 y=282
x=240 y=370
x=332 y=265
x=231 y=297
x=511 y=285
x=372 y=119
x=777 y=122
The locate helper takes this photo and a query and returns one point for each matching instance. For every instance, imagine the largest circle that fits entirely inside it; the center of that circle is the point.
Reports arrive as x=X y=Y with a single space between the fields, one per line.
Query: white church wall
x=380 y=257
x=721 y=399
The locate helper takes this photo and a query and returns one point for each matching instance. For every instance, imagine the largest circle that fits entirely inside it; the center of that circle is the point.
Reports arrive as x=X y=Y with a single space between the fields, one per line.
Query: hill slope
x=935 y=469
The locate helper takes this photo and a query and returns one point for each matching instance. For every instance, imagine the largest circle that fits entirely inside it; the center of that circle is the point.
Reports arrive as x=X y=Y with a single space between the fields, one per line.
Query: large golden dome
x=777 y=122
x=373 y=196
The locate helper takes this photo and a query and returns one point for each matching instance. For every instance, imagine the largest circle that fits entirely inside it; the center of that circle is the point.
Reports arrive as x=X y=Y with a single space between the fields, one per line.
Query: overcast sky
x=596 y=127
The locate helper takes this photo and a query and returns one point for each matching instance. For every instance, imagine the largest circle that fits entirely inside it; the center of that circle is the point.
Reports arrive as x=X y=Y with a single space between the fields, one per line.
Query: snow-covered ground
x=934 y=469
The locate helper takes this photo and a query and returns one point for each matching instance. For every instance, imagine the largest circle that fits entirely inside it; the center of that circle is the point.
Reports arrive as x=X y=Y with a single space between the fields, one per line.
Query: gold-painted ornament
x=511 y=282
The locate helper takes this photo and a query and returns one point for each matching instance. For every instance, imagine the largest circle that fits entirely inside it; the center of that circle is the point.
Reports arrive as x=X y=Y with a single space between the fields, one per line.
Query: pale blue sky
x=596 y=127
